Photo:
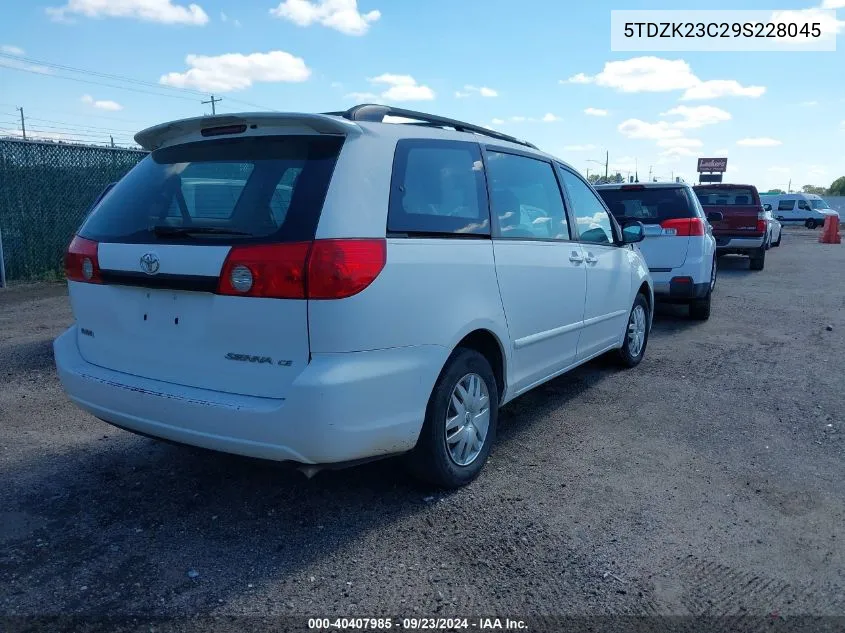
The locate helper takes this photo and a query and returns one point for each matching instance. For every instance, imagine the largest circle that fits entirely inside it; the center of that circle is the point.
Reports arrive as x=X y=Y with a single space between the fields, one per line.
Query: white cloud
x=336 y=85
x=656 y=74
x=833 y=4
x=111 y=106
x=635 y=128
x=235 y=71
x=341 y=15
x=498 y=122
x=518 y=119
x=223 y=17
x=237 y=23
x=550 y=118
x=595 y=112
x=761 y=141
x=12 y=50
x=722 y=151
x=809 y=104
x=163 y=11
x=716 y=88
x=679 y=142
x=580 y=78
x=697 y=116
x=402 y=88
x=579 y=148
x=483 y=91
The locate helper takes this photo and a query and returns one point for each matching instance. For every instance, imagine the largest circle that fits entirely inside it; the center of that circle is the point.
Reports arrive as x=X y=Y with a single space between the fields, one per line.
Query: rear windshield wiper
x=180 y=231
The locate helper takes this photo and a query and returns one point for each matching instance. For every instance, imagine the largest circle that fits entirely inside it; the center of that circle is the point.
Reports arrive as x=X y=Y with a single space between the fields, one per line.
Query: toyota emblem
x=149 y=263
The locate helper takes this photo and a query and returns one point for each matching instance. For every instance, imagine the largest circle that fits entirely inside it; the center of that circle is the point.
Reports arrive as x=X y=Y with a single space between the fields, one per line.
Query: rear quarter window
x=438 y=188
x=649 y=205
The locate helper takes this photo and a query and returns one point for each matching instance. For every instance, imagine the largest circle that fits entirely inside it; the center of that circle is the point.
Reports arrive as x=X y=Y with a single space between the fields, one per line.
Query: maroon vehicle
x=743 y=228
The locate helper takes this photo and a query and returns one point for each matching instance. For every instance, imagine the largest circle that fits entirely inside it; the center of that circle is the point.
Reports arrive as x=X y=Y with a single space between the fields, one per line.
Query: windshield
x=648 y=205
x=819 y=204
x=725 y=196
x=247 y=189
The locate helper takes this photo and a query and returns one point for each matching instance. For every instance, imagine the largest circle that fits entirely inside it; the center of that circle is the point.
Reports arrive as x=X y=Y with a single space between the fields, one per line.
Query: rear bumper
x=729 y=244
x=668 y=291
x=342 y=407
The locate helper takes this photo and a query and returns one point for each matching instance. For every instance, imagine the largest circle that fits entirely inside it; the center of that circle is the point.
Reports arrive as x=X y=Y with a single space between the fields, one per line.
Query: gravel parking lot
x=709 y=480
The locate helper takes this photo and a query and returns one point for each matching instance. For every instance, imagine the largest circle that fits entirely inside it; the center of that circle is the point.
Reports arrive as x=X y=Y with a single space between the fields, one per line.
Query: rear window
x=725 y=197
x=650 y=205
x=268 y=188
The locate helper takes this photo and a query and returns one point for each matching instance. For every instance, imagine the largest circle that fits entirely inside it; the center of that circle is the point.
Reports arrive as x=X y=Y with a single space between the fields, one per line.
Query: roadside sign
x=710 y=178
x=718 y=165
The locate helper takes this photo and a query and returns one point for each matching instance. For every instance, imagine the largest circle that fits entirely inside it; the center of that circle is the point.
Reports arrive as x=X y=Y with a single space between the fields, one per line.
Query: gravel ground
x=708 y=481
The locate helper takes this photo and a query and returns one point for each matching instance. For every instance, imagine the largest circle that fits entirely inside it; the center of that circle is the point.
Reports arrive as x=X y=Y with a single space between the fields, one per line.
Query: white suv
x=679 y=246
x=330 y=288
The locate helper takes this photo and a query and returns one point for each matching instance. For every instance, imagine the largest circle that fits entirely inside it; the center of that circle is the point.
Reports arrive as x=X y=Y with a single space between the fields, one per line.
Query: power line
x=115 y=77
x=99 y=83
x=95 y=115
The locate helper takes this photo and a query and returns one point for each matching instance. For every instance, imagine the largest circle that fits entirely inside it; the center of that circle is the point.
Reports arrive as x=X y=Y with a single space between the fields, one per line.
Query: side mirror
x=715 y=216
x=633 y=232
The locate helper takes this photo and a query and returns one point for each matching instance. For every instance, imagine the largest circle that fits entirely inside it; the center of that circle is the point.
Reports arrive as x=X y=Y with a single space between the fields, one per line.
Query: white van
x=806 y=208
x=330 y=288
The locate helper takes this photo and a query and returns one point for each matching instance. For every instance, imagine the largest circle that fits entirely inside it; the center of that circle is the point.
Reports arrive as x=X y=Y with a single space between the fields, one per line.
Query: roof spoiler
x=158 y=136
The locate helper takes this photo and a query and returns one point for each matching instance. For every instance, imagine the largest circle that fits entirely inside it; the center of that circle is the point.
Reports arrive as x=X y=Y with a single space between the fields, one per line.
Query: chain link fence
x=46 y=190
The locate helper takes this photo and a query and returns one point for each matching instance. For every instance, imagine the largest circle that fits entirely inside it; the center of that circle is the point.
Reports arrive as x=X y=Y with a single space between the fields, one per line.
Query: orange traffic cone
x=830 y=233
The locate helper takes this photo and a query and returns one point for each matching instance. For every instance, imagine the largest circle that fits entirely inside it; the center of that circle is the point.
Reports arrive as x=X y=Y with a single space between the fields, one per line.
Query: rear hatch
x=668 y=215
x=191 y=269
x=739 y=205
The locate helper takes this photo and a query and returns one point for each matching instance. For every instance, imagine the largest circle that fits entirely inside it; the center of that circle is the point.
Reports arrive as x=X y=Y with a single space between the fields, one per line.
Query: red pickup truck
x=742 y=229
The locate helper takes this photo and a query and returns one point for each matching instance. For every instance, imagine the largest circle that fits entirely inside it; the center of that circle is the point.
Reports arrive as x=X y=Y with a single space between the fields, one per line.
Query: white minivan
x=343 y=288
x=798 y=208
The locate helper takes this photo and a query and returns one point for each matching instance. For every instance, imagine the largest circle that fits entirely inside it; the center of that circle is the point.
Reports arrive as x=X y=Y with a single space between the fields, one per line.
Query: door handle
x=591 y=259
x=575 y=258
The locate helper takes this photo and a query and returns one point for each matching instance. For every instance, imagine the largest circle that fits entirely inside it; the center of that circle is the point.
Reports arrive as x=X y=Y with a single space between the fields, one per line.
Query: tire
x=626 y=356
x=780 y=237
x=758 y=260
x=431 y=460
x=699 y=309
x=810 y=224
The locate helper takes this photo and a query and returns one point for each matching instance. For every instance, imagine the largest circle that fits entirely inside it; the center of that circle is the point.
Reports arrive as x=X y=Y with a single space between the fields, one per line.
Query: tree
x=594 y=178
x=838 y=187
x=819 y=191
x=775 y=191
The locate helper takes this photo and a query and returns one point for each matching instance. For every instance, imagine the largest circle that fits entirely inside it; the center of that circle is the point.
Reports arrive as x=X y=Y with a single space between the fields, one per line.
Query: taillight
x=683 y=227
x=342 y=268
x=761 y=223
x=269 y=270
x=323 y=269
x=81 y=263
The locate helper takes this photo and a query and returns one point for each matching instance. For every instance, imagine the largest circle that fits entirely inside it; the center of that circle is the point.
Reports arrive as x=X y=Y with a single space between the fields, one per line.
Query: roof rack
x=375 y=113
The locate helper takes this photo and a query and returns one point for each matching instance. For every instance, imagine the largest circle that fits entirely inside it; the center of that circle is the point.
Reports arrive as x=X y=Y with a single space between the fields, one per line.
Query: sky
x=541 y=70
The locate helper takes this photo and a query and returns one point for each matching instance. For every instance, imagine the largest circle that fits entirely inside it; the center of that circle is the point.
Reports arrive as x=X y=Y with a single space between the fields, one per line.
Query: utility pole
x=606 y=163
x=212 y=101
x=111 y=138
x=788 y=187
x=23 y=125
